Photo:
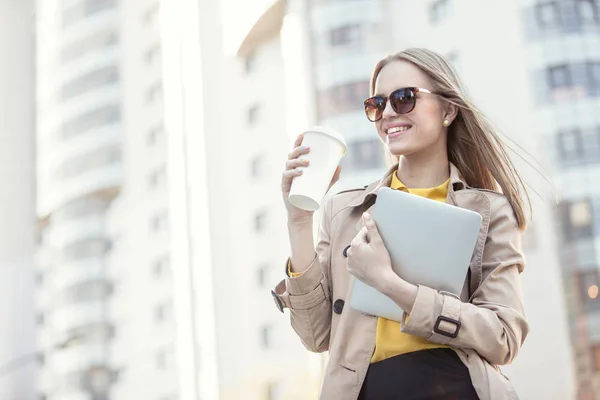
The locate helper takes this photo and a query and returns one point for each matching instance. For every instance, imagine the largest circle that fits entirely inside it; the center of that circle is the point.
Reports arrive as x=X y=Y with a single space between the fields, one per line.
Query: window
x=154 y=93
x=588 y=12
x=594 y=74
x=157 y=178
x=154 y=135
x=250 y=63
x=152 y=55
x=150 y=17
x=266 y=337
x=86 y=291
x=344 y=35
x=260 y=221
x=85 y=249
x=588 y=288
x=98 y=378
x=364 y=154
x=159 y=222
x=160 y=267
x=261 y=275
x=548 y=14
x=570 y=147
x=89 y=44
x=162 y=359
x=91 y=120
x=162 y=312
x=89 y=82
x=85 y=9
x=257 y=166
x=559 y=76
x=253 y=114
x=342 y=99
x=88 y=162
x=576 y=219
x=591 y=146
x=274 y=391
x=596 y=358
x=96 y=332
x=438 y=10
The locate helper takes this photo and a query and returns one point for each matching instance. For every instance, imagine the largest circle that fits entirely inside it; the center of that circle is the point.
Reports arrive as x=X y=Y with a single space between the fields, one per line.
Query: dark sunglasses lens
x=403 y=100
x=374 y=108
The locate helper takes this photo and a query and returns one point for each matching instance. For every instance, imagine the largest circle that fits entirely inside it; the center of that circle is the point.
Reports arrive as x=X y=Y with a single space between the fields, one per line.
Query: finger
x=296 y=163
x=292 y=173
x=298 y=151
x=371 y=227
x=298 y=140
x=364 y=235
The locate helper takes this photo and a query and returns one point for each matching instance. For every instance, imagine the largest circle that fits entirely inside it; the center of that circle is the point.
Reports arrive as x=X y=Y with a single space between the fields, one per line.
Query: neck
x=423 y=172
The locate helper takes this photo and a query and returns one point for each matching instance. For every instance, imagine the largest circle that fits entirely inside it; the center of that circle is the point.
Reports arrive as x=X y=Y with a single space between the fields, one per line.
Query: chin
x=398 y=151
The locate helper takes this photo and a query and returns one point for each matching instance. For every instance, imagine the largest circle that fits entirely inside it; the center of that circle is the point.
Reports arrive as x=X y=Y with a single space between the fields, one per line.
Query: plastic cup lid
x=329 y=132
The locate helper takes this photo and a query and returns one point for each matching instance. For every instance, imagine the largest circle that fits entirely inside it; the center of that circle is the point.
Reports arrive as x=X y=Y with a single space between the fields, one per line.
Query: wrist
x=300 y=223
x=400 y=291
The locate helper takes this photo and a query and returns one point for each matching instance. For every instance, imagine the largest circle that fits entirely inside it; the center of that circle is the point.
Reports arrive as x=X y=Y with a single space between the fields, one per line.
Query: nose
x=388 y=111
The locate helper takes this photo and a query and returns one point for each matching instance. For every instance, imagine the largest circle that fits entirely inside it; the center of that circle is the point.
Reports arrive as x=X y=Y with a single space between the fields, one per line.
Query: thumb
x=371 y=227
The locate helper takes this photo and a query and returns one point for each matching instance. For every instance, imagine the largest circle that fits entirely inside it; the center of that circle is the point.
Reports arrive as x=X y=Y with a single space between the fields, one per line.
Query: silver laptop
x=430 y=243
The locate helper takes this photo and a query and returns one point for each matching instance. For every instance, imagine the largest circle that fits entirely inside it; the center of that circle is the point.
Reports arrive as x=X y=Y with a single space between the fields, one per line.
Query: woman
x=447 y=347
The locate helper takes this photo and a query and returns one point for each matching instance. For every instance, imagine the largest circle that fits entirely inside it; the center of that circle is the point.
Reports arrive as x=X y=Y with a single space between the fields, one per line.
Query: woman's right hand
x=293 y=168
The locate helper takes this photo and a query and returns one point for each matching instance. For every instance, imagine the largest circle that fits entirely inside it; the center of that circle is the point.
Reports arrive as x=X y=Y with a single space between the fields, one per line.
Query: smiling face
x=419 y=132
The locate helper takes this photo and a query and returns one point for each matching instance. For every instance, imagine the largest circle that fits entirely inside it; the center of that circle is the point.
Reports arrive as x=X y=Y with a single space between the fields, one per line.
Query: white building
x=17 y=208
x=79 y=173
x=143 y=349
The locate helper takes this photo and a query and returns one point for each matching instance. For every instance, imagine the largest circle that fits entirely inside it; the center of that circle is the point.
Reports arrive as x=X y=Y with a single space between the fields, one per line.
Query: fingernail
x=298 y=170
x=305 y=147
x=304 y=161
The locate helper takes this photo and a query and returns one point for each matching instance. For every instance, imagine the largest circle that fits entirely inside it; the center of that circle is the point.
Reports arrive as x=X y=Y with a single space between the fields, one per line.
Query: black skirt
x=436 y=374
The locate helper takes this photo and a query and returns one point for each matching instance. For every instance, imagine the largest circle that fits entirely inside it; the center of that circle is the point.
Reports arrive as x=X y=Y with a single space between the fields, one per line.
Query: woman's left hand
x=368 y=259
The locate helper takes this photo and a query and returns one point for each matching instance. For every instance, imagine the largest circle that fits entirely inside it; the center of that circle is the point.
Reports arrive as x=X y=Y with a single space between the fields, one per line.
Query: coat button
x=338 y=306
x=345 y=252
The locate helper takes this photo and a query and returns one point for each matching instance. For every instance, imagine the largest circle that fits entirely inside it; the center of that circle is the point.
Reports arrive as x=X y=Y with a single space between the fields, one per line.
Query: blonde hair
x=474 y=145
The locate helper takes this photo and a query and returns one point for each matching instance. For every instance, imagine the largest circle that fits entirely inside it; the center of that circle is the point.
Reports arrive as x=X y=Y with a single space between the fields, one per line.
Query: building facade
x=563 y=48
x=79 y=174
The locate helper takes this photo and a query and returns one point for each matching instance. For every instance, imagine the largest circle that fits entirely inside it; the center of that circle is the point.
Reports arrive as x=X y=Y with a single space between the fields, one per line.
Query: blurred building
x=143 y=350
x=17 y=208
x=80 y=171
x=563 y=55
x=247 y=149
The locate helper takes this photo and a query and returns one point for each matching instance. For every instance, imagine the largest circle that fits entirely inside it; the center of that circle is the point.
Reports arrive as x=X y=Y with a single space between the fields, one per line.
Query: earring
x=446 y=122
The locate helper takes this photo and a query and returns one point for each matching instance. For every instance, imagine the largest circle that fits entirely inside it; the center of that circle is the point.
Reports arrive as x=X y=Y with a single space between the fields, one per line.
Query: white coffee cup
x=327 y=147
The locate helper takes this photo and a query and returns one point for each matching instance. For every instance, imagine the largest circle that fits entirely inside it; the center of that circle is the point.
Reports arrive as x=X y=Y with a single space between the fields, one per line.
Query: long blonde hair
x=474 y=145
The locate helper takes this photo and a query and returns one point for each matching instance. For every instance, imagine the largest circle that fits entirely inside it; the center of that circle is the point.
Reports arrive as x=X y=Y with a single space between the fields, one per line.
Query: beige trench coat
x=490 y=309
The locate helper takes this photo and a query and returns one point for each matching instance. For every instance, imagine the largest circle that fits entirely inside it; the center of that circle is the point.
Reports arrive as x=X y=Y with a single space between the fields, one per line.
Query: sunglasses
x=402 y=100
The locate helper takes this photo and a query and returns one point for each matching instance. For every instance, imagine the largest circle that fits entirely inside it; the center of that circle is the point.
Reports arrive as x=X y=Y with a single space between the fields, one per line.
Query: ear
x=450 y=112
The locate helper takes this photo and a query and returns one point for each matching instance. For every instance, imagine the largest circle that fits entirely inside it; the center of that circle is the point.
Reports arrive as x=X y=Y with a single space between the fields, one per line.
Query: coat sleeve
x=493 y=322
x=307 y=295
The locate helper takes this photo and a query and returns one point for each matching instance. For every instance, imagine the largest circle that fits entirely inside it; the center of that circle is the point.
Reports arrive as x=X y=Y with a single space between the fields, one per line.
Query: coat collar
x=457 y=182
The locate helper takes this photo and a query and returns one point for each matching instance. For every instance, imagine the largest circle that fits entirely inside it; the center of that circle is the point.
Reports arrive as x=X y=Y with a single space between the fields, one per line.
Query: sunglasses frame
x=414 y=91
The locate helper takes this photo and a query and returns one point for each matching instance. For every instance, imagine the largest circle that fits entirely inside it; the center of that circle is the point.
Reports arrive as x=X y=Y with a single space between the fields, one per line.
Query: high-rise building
x=563 y=65
x=141 y=307
x=80 y=172
x=17 y=209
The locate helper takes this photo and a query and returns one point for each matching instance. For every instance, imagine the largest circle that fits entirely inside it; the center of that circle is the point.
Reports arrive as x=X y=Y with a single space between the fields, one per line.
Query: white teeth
x=398 y=129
